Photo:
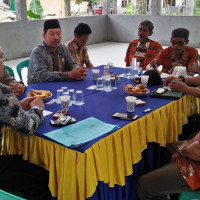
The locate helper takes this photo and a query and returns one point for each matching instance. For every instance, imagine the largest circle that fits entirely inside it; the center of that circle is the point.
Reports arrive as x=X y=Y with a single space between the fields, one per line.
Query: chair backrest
x=10 y=71
x=20 y=66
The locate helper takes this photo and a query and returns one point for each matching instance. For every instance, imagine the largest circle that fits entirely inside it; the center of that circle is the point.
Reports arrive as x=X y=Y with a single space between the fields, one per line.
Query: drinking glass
x=59 y=93
x=99 y=85
x=72 y=96
x=79 y=98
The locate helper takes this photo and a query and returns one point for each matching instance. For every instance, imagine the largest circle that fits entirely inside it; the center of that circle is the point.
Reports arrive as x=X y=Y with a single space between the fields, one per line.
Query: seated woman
x=17 y=87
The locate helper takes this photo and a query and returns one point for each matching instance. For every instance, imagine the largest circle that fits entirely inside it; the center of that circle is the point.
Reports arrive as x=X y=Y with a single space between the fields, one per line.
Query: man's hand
x=17 y=88
x=37 y=102
x=168 y=80
x=25 y=103
x=175 y=155
x=78 y=73
x=178 y=86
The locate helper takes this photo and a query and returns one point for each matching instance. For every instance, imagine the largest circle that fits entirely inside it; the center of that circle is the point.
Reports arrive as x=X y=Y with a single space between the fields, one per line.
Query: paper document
x=81 y=132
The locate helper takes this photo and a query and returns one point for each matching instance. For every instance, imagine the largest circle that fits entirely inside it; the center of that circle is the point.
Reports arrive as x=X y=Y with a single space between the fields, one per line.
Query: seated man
x=51 y=60
x=144 y=49
x=182 y=85
x=77 y=46
x=180 y=175
x=178 y=54
x=17 y=87
x=18 y=175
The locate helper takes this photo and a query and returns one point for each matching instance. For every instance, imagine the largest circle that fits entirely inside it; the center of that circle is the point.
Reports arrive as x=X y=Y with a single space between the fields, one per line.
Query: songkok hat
x=154 y=77
x=51 y=23
x=180 y=32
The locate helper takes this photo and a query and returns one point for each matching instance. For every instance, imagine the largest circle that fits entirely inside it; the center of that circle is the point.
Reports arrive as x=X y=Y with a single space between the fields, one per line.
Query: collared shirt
x=79 y=54
x=44 y=66
x=190 y=169
x=14 y=116
x=144 y=53
x=166 y=57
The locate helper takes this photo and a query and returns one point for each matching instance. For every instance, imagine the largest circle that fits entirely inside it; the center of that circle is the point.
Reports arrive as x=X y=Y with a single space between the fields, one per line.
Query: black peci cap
x=51 y=23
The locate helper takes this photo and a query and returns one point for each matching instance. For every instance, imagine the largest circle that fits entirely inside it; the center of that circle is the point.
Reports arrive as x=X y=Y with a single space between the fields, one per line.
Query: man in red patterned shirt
x=178 y=54
x=143 y=48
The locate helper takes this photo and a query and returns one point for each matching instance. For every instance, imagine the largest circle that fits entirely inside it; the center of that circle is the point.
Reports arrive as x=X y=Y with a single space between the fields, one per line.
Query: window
x=7 y=11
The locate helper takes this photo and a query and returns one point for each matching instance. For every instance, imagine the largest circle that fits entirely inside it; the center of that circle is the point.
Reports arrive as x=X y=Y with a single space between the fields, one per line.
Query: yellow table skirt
x=75 y=175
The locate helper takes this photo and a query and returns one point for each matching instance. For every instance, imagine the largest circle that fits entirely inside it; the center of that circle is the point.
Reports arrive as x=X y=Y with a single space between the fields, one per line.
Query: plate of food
x=42 y=94
x=138 y=90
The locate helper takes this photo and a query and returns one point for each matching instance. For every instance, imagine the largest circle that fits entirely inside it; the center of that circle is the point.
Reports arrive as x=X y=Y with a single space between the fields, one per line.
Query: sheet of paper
x=81 y=132
x=92 y=87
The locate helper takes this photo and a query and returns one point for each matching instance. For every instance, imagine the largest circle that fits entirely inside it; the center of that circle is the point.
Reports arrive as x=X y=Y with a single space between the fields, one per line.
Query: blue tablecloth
x=99 y=104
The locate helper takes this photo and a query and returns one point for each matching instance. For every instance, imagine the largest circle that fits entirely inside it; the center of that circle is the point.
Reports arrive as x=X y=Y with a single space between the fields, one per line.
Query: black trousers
x=18 y=175
x=191 y=128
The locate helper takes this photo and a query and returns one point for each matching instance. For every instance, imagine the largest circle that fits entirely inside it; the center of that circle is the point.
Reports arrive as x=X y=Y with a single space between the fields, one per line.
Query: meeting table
x=107 y=167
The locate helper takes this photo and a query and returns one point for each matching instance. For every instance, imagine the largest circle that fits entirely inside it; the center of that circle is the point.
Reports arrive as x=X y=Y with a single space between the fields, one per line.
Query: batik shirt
x=48 y=66
x=190 y=169
x=79 y=54
x=168 y=60
x=144 y=53
x=12 y=114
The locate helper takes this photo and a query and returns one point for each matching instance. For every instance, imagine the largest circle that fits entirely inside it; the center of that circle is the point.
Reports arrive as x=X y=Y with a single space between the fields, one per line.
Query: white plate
x=136 y=94
x=44 y=99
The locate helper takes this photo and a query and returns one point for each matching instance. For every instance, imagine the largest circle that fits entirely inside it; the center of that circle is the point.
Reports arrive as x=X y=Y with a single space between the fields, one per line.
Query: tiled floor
x=99 y=54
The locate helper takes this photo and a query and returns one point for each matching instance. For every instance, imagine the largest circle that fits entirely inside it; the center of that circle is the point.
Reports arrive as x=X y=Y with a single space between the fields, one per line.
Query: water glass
x=99 y=85
x=64 y=88
x=65 y=101
x=110 y=64
x=130 y=100
x=59 y=93
x=106 y=71
x=72 y=96
x=113 y=83
x=107 y=83
x=127 y=72
x=79 y=98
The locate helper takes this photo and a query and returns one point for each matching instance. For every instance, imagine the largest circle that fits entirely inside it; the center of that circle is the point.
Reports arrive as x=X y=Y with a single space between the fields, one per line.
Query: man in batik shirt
x=143 y=49
x=51 y=60
x=77 y=46
x=178 y=54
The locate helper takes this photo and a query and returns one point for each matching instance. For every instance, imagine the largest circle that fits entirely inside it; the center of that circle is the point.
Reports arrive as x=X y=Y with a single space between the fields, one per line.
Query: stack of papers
x=81 y=132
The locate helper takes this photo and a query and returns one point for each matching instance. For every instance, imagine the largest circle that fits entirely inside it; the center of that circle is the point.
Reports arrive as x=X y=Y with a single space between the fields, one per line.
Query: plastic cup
x=130 y=100
x=110 y=64
x=107 y=84
x=144 y=80
x=127 y=72
x=64 y=88
x=59 y=93
x=113 y=83
x=106 y=71
x=72 y=96
x=65 y=100
x=79 y=98
x=99 y=85
x=95 y=73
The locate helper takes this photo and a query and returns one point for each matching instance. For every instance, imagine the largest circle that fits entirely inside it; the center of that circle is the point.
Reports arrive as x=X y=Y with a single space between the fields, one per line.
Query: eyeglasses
x=180 y=43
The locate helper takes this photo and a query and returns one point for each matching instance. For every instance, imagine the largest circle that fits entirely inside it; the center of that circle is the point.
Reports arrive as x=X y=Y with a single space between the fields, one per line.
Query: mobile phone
x=125 y=116
x=61 y=120
x=160 y=90
x=140 y=102
x=59 y=113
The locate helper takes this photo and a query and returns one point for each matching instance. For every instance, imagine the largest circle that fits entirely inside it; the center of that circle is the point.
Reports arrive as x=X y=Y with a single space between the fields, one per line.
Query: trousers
x=157 y=184
x=18 y=175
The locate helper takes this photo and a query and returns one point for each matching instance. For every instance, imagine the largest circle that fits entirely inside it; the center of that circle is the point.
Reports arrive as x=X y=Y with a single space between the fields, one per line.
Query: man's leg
x=18 y=175
x=157 y=184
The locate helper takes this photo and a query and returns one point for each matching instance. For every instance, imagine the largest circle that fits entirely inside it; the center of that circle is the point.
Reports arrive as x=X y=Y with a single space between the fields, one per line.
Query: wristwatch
x=180 y=148
x=37 y=107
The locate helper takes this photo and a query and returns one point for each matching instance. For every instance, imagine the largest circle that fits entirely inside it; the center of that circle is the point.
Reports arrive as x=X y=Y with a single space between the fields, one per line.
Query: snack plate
x=137 y=94
x=44 y=99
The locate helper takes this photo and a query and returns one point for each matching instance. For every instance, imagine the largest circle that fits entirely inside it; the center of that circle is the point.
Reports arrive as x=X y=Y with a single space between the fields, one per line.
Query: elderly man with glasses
x=178 y=54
